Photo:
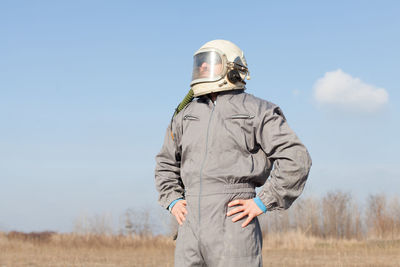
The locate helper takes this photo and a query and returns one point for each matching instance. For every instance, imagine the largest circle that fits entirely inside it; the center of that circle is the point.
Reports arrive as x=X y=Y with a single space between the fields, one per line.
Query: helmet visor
x=207 y=67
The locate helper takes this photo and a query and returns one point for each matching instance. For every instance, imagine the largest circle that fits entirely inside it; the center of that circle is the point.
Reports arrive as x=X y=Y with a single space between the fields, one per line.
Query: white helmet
x=218 y=65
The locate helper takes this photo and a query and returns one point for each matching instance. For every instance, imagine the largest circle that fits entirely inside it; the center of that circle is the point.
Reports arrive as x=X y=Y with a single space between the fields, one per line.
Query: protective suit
x=220 y=151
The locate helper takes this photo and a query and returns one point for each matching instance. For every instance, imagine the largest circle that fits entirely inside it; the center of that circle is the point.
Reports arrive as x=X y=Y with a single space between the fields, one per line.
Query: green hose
x=188 y=98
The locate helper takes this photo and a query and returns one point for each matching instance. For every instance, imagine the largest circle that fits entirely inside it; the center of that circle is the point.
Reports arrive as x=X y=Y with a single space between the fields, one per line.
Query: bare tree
x=97 y=224
x=306 y=216
x=337 y=215
x=383 y=218
x=138 y=222
x=376 y=215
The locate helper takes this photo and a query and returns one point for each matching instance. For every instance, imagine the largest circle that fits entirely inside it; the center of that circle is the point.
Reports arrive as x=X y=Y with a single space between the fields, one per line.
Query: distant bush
x=36 y=237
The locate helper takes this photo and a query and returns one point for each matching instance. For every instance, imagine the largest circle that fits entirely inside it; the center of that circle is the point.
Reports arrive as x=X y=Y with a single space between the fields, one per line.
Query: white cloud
x=338 y=89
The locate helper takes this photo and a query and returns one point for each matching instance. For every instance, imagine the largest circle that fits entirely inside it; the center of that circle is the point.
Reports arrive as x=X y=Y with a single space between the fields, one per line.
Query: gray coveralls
x=221 y=151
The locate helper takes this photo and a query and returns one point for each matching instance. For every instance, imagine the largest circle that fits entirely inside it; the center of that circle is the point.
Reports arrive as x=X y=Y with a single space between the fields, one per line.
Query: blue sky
x=87 y=89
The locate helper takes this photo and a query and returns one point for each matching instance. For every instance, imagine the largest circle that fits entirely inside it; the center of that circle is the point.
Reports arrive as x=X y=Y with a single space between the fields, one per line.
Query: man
x=220 y=147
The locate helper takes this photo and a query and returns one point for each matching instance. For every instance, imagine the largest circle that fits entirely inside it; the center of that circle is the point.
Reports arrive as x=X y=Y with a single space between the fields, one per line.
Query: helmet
x=218 y=65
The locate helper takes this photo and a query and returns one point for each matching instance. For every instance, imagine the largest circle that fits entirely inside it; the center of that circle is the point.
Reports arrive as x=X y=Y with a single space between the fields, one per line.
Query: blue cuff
x=261 y=205
x=173 y=203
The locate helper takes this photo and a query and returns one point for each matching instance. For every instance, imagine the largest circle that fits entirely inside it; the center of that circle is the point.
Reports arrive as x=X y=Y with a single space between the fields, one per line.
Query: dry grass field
x=288 y=249
x=330 y=231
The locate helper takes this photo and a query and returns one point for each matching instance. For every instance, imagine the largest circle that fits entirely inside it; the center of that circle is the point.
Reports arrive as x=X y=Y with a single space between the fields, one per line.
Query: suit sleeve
x=167 y=172
x=291 y=161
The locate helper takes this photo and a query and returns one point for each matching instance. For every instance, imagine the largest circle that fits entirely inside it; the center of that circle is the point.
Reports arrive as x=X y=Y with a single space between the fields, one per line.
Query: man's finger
x=235 y=202
x=182 y=210
x=240 y=216
x=235 y=210
x=178 y=219
x=184 y=202
x=182 y=217
x=247 y=221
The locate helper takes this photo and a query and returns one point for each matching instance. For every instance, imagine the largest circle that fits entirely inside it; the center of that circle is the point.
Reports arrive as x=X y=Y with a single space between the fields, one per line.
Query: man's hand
x=247 y=207
x=179 y=211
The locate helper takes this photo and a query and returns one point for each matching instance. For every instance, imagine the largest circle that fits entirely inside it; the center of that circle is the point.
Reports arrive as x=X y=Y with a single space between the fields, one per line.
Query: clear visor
x=207 y=67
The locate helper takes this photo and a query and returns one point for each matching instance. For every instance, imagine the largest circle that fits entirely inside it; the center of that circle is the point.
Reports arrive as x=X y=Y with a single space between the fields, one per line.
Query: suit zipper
x=205 y=156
